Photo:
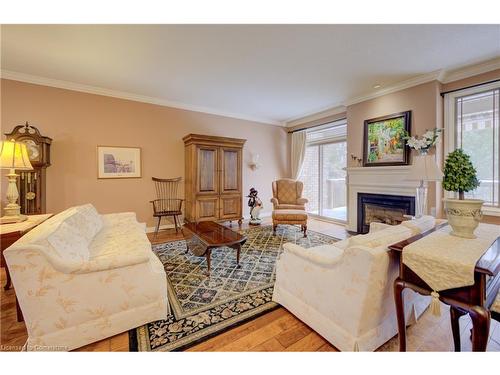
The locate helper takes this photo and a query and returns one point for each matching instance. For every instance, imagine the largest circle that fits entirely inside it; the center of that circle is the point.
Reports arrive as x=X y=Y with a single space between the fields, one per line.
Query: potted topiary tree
x=460 y=176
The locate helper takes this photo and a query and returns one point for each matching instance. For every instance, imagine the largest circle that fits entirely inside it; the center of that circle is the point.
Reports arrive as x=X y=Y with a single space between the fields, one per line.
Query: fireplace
x=383 y=208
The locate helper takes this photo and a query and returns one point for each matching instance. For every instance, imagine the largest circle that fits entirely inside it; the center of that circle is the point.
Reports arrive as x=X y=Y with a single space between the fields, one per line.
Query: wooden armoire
x=213 y=189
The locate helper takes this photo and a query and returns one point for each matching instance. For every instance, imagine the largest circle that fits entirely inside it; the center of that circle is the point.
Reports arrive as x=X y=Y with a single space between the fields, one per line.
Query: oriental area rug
x=203 y=306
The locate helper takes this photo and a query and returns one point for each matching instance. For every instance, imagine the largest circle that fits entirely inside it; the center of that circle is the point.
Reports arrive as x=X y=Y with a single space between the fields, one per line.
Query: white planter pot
x=463 y=216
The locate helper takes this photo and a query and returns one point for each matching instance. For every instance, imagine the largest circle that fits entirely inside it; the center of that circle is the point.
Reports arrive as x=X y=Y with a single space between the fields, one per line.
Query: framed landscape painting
x=118 y=162
x=384 y=142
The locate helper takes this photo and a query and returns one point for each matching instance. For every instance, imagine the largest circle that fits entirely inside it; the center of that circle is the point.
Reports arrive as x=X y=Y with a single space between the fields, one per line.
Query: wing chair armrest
x=275 y=202
x=302 y=200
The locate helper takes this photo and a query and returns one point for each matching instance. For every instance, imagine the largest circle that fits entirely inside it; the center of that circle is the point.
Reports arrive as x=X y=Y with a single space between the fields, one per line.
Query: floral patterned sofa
x=80 y=277
x=344 y=291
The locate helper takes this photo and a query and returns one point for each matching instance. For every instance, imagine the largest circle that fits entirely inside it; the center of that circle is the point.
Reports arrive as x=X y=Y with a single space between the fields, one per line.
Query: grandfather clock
x=31 y=184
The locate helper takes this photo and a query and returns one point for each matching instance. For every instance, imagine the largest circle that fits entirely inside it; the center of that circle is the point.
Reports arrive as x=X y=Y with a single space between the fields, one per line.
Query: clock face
x=33 y=150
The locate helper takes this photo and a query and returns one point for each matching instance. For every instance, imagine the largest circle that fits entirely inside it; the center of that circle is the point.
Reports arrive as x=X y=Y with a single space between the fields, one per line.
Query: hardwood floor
x=277 y=330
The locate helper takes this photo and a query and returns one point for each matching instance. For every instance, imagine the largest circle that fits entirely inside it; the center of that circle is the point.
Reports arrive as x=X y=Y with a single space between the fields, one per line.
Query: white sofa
x=81 y=277
x=344 y=291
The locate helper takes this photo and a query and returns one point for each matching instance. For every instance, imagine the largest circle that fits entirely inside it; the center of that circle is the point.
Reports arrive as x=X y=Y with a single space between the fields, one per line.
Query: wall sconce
x=254 y=162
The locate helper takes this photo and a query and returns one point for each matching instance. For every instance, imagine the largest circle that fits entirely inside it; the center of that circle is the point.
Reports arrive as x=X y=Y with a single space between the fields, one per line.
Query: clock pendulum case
x=31 y=184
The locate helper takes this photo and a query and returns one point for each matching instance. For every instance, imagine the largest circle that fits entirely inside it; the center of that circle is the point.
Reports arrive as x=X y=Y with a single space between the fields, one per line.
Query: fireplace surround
x=392 y=181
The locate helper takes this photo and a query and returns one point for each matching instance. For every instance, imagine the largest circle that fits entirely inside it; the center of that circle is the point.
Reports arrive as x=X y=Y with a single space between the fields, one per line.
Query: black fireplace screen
x=383 y=208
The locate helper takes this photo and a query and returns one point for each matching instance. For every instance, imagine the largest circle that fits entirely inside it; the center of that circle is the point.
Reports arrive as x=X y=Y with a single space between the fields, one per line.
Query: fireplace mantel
x=379 y=180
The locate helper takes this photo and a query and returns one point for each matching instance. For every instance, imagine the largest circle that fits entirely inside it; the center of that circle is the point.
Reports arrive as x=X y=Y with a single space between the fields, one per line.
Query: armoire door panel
x=230 y=170
x=207 y=170
x=230 y=206
x=207 y=208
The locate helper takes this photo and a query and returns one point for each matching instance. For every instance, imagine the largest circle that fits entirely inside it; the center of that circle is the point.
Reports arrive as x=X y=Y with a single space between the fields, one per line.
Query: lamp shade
x=424 y=168
x=14 y=155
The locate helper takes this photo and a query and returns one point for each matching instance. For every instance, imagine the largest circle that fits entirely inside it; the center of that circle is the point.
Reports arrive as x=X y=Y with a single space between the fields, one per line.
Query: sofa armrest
x=375 y=227
x=79 y=266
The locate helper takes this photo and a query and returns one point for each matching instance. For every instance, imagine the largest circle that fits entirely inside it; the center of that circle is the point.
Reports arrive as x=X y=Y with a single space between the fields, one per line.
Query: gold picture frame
x=119 y=162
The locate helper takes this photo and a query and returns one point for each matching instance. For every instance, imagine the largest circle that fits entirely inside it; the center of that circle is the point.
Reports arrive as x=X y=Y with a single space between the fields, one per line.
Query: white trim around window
x=450 y=129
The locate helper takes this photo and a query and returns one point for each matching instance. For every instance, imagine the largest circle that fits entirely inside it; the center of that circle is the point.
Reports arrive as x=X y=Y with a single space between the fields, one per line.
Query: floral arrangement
x=425 y=142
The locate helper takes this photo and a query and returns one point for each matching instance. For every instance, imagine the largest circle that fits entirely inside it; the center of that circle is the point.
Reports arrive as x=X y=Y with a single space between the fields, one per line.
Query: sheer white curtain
x=298 y=152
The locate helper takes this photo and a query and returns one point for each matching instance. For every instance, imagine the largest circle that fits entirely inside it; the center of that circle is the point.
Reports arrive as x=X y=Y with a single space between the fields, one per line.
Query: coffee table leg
x=8 y=283
x=207 y=256
x=238 y=249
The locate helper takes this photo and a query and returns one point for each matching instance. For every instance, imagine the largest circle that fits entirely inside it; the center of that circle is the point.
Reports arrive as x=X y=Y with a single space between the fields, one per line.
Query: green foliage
x=459 y=173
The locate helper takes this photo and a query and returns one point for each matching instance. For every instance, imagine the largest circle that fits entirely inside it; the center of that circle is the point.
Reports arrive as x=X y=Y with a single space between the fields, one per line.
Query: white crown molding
x=342 y=107
x=37 y=80
x=443 y=76
x=470 y=71
x=315 y=115
x=423 y=78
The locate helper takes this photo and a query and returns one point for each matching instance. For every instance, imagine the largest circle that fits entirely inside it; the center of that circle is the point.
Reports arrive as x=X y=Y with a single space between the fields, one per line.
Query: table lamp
x=423 y=169
x=13 y=155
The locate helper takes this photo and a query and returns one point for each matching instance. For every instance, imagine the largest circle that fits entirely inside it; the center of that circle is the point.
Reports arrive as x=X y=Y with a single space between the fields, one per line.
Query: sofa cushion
x=323 y=254
x=68 y=243
x=384 y=237
x=119 y=240
x=420 y=225
x=289 y=215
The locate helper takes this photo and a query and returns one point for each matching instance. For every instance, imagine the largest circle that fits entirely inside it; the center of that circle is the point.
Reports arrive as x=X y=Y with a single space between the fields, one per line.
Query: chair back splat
x=167 y=202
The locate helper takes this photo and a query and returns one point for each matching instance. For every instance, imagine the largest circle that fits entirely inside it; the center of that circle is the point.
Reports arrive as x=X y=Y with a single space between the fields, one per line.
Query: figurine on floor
x=255 y=205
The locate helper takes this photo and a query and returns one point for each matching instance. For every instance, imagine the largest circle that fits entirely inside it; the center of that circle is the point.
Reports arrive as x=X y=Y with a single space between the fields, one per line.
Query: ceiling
x=270 y=73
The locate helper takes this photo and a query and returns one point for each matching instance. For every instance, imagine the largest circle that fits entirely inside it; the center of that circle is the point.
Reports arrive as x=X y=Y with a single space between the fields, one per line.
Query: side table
x=474 y=300
x=10 y=233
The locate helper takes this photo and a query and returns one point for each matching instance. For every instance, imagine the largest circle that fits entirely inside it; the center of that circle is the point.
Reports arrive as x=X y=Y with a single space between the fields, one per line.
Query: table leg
x=8 y=283
x=238 y=249
x=20 y=316
x=3 y=263
x=399 y=286
x=455 y=315
x=480 y=328
x=207 y=256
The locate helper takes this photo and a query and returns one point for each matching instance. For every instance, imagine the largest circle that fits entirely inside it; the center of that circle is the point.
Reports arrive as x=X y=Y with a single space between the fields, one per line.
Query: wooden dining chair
x=167 y=202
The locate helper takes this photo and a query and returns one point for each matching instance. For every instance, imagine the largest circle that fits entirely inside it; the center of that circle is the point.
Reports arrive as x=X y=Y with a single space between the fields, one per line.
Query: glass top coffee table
x=204 y=236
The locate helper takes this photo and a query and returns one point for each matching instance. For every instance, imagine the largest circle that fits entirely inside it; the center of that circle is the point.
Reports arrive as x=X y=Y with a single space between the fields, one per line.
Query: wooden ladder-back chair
x=167 y=202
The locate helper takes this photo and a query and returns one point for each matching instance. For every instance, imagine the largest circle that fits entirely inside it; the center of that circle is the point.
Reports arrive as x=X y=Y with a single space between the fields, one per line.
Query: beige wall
x=422 y=100
x=78 y=122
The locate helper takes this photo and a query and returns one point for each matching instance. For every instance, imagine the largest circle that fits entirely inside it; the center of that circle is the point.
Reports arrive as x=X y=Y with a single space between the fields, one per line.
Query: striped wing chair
x=287 y=195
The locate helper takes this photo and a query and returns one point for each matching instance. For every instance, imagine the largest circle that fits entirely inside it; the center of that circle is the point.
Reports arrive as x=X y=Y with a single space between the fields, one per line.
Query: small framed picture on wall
x=118 y=162
x=384 y=142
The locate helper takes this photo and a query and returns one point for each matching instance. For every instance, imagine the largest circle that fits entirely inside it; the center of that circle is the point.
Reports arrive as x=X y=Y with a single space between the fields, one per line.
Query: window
x=472 y=123
x=323 y=172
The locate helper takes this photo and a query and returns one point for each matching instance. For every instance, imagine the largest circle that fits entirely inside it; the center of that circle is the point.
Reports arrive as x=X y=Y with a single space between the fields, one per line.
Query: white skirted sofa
x=344 y=291
x=81 y=277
